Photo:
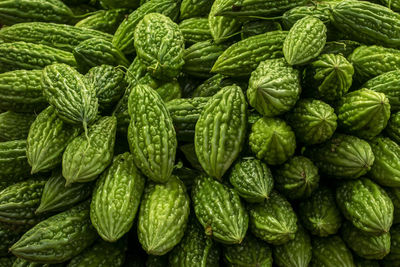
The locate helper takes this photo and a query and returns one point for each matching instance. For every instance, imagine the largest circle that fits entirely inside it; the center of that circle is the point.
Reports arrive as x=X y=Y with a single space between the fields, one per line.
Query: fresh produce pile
x=199 y=133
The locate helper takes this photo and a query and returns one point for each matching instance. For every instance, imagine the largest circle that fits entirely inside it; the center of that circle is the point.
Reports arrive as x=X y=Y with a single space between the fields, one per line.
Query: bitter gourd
x=106 y=21
x=393 y=127
x=194 y=30
x=13 y=162
x=195 y=8
x=222 y=28
x=330 y=252
x=257 y=27
x=15 y=126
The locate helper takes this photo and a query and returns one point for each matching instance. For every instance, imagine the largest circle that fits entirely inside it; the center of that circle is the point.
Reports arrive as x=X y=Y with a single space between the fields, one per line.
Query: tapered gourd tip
x=34 y=169
x=40 y=209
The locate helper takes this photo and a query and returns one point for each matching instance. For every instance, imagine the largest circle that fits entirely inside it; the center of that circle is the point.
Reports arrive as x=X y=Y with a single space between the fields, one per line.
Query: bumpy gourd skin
x=386 y=168
x=18 y=202
x=227 y=225
x=116 y=198
x=305 y=40
x=274 y=87
x=88 y=156
x=220 y=130
x=387 y=83
x=67 y=233
x=296 y=252
x=124 y=36
x=163 y=216
x=160 y=45
x=195 y=8
x=372 y=61
x=153 y=148
x=101 y=254
x=221 y=27
x=241 y=58
x=343 y=156
x=320 y=11
x=273 y=221
x=21 y=91
x=97 y=51
x=364 y=244
x=8 y=237
x=13 y=160
x=28 y=56
x=393 y=127
x=313 y=121
x=366 y=205
x=364 y=113
x=298 y=178
x=61 y=36
x=48 y=137
x=68 y=91
x=13 y=12
x=252 y=179
x=196 y=249
x=263 y=8
x=257 y=27
x=195 y=30
x=367 y=22
x=272 y=140
x=106 y=21
x=320 y=214
x=15 y=126
x=168 y=90
x=329 y=77
x=251 y=252
x=57 y=197
x=330 y=252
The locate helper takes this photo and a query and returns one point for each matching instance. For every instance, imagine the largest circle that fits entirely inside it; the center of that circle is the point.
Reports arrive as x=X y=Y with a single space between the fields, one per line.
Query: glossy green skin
x=195 y=8
x=221 y=27
x=394 y=254
x=61 y=36
x=13 y=12
x=211 y=86
x=47 y=139
x=195 y=249
x=372 y=61
x=366 y=245
x=364 y=113
x=95 y=51
x=367 y=22
x=313 y=121
x=116 y=198
x=124 y=36
x=220 y=130
x=185 y=113
x=251 y=252
x=28 y=56
x=297 y=178
x=18 y=202
x=13 y=162
x=154 y=148
x=252 y=179
x=57 y=197
x=320 y=11
x=274 y=87
x=190 y=154
x=387 y=83
x=163 y=216
x=8 y=237
x=262 y=8
x=106 y=21
x=200 y=58
x=392 y=4
x=194 y=30
x=168 y=90
x=69 y=92
x=20 y=91
x=366 y=205
x=296 y=252
x=109 y=84
x=343 y=47
x=110 y=4
x=15 y=126
x=253 y=28
x=305 y=40
x=154 y=31
x=273 y=221
x=241 y=58
x=88 y=156
x=330 y=252
x=319 y=213
x=272 y=140
x=101 y=254
x=67 y=233
x=329 y=77
x=227 y=225
x=386 y=168
x=343 y=156
x=393 y=127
